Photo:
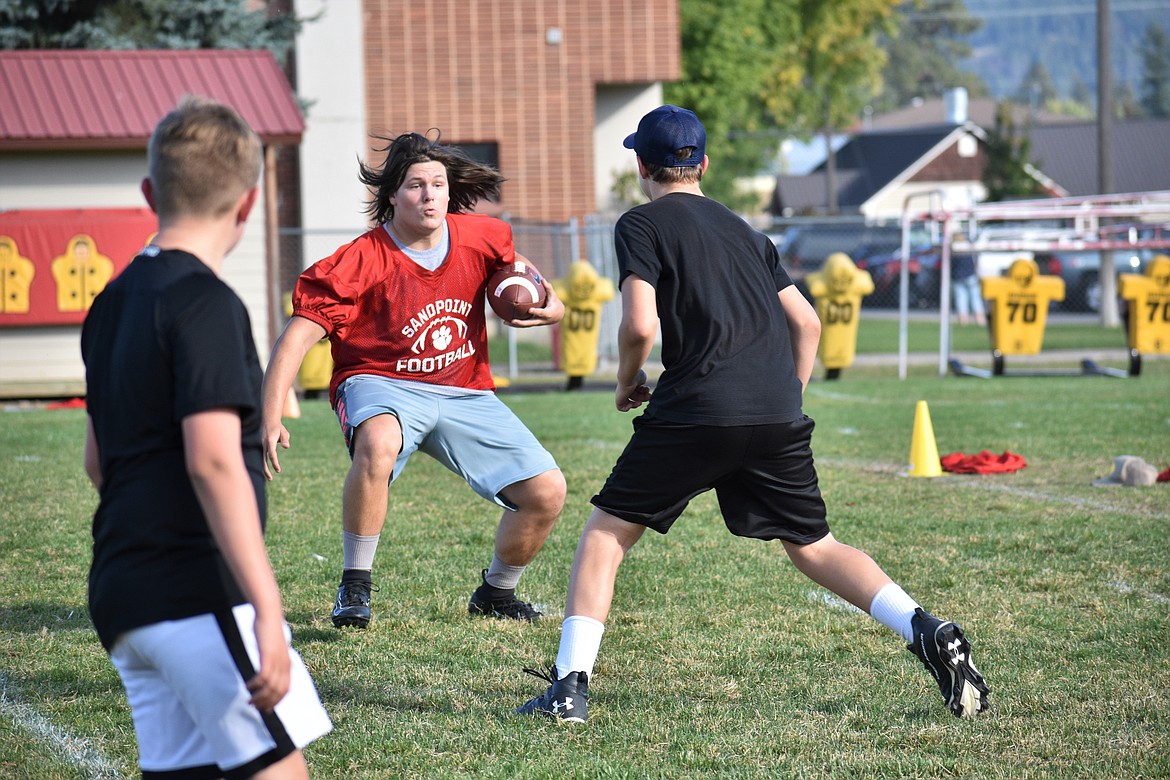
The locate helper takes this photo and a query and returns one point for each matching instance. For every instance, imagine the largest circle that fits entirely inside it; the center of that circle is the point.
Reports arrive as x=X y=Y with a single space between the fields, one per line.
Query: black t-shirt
x=725 y=341
x=164 y=340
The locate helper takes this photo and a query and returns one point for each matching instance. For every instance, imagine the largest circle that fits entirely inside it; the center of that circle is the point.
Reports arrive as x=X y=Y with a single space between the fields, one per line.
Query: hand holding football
x=514 y=289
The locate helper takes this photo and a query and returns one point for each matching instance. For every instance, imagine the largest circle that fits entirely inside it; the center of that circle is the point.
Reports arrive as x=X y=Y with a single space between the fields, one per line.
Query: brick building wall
x=520 y=74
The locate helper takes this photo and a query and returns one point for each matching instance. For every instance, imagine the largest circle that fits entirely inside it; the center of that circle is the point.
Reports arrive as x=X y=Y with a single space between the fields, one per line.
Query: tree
x=924 y=51
x=1036 y=88
x=1007 y=173
x=757 y=70
x=727 y=48
x=1155 y=86
x=1125 y=102
x=1081 y=93
x=830 y=71
x=144 y=24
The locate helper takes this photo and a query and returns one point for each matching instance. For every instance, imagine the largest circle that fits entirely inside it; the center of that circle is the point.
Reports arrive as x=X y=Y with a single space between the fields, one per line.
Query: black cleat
x=566 y=699
x=352 y=607
x=943 y=648
x=493 y=602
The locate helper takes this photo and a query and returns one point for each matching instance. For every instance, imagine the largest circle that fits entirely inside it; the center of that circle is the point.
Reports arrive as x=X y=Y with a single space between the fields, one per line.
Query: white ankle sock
x=893 y=608
x=501 y=575
x=357 y=552
x=580 y=641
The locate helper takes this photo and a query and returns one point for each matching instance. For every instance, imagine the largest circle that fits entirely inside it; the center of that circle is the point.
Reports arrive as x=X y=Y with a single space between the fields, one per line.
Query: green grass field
x=719 y=660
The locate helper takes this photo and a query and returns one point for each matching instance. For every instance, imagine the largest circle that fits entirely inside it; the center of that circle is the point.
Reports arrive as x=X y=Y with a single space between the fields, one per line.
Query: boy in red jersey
x=403 y=307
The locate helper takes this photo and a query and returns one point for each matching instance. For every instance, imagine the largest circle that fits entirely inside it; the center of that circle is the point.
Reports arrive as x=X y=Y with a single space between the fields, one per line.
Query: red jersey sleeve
x=328 y=290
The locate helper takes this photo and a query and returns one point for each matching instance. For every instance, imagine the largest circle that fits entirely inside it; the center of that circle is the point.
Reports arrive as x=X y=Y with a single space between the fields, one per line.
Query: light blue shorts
x=472 y=433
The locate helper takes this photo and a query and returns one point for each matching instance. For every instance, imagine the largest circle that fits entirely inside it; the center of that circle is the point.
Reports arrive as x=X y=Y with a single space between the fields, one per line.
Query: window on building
x=486 y=153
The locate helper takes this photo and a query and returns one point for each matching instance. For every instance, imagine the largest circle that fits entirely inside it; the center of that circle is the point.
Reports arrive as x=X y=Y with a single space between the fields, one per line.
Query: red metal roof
x=113 y=99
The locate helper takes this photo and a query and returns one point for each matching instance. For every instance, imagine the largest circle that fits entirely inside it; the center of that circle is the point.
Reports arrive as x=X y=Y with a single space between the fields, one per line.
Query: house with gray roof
x=1067 y=153
x=878 y=170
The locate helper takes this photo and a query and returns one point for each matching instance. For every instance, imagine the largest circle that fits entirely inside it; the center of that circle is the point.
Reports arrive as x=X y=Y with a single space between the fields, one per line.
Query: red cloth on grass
x=984 y=463
x=1165 y=475
x=72 y=403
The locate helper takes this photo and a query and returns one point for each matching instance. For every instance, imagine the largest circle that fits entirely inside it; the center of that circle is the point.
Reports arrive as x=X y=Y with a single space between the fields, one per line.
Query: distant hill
x=1063 y=34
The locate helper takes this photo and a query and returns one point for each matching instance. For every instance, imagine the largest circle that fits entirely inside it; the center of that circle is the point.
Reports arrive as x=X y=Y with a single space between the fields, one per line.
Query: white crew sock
x=357 y=552
x=893 y=608
x=501 y=575
x=580 y=641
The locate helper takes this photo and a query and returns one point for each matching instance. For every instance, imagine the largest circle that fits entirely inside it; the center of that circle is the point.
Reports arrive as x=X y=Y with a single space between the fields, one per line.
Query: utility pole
x=831 y=195
x=1107 y=273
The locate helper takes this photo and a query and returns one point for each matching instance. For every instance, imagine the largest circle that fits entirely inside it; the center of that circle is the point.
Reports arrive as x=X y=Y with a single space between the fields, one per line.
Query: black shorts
x=763 y=476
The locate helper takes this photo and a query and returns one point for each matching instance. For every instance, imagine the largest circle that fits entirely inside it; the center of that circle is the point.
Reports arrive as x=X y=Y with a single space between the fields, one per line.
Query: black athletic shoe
x=352 y=607
x=943 y=648
x=566 y=699
x=497 y=603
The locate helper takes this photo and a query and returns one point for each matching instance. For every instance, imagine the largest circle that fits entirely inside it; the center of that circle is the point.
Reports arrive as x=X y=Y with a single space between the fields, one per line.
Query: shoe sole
x=547 y=714
x=970 y=698
x=350 y=621
x=491 y=613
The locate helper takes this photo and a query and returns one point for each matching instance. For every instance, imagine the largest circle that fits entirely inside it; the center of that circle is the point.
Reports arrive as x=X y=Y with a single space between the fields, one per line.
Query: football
x=514 y=289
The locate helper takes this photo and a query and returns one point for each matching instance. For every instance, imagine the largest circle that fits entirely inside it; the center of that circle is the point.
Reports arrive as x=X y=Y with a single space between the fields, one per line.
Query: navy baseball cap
x=665 y=130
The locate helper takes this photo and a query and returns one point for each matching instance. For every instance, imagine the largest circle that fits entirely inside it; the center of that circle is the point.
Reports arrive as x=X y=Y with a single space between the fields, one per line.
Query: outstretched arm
x=215 y=464
x=636 y=334
x=289 y=352
x=804 y=328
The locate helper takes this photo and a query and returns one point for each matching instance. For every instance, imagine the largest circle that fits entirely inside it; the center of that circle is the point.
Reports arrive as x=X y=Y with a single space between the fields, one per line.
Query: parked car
x=806 y=246
x=886 y=270
x=926 y=282
x=1081 y=272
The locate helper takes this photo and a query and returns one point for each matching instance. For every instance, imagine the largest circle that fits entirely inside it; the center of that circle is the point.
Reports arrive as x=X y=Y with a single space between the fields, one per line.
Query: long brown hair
x=468 y=181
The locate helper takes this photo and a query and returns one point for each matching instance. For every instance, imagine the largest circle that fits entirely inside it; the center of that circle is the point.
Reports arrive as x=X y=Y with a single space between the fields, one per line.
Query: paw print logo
x=441 y=338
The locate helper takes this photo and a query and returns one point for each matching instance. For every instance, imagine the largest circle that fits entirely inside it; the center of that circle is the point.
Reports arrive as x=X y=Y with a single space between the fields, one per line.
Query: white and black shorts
x=186 y=683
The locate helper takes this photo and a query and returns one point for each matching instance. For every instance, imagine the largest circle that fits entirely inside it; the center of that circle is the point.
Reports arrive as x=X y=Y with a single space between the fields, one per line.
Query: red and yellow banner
x=53 y=263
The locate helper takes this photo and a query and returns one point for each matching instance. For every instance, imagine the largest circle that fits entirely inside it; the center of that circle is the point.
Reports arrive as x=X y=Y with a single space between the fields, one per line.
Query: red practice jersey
x=386 y=315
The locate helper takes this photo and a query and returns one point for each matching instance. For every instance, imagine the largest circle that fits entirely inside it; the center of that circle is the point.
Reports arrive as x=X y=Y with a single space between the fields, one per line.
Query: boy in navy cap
x=738 y=345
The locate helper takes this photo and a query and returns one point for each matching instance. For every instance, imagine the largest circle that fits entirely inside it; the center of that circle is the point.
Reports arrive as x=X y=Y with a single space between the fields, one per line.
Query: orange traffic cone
x=924 y=460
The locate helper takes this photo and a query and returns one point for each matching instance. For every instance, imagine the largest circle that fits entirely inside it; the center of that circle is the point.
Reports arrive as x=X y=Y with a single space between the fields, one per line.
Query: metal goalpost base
x=1088 y=368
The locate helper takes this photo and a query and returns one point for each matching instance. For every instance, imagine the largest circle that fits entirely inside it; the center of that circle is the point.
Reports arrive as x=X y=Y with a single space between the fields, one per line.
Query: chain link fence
x=803 y=243
x=877 y=248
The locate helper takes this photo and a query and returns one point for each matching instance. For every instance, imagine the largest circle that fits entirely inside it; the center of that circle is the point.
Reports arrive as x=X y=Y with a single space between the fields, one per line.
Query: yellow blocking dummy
x=583 y=292
x=1019 y=307
x=838 y=289
x=1148 y=296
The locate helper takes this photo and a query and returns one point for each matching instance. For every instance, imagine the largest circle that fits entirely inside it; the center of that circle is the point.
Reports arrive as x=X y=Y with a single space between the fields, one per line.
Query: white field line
x=77 y=752
x=831 y=599
x=833 y=395
x=1125 y=588
x=988 y=483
